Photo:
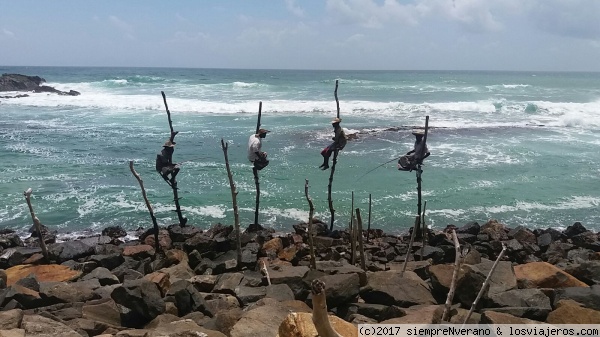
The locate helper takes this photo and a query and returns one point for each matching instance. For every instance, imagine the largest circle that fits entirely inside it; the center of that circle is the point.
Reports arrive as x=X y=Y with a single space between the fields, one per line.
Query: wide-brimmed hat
x=336 y=120
x=168 y=143
x=261 y=131
x=418 y=132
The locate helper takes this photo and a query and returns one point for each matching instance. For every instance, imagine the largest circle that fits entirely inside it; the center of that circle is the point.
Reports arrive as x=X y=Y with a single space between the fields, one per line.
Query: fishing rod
x=387 y=162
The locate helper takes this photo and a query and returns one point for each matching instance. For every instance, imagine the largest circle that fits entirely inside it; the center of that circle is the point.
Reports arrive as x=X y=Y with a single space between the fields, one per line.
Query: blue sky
x=554 y=35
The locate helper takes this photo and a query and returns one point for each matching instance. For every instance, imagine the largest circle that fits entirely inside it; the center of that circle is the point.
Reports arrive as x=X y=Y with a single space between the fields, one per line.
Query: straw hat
x=418 y=132
x=168 y=143
x=336 y=120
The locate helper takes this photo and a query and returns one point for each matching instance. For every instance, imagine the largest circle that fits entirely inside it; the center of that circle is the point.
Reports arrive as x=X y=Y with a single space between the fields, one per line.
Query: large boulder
x=264 y=320
x=182 y=328
x=588 y=296
x=142 y=301
x=503 y=279
x=292 y=276
x=11 y=319
x=63 y=292
x=494 y=317
x=36 y=325
x=70 y=250
x=18 y=82
x=571 y=312
x=340 y=288
x=43 y=273
x=545 y=275
x=421 y=314
x=392 y=288
x=300 y=324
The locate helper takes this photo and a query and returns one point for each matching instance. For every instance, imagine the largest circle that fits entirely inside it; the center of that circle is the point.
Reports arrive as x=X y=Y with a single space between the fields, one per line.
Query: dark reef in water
x=18 y=82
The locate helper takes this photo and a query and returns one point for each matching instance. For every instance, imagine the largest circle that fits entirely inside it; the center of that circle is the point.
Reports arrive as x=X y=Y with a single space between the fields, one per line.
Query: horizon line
x=305 y=69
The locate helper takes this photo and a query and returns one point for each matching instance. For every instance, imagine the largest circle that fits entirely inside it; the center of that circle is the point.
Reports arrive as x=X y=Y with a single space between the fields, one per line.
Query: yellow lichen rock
x=300 y=324
x=43 y=273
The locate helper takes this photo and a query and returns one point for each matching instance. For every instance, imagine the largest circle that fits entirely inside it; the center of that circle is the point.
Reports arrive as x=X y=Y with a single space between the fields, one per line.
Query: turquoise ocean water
x=521 y=147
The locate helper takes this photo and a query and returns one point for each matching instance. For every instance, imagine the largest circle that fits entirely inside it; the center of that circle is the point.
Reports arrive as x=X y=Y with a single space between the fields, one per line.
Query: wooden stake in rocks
x=150 y=210
x=361 y=248
x=457 y=263
x=485 y=284
x=410 y=244
x=234 y=193
x=311 y=212
x=37 y=224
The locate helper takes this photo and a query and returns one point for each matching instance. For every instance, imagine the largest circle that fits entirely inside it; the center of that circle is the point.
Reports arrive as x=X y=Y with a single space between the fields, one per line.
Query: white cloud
x=294 y=8
x=123 y=26
x=573 y=18
x=369 y=14
x=7 y=33
x=471 y=15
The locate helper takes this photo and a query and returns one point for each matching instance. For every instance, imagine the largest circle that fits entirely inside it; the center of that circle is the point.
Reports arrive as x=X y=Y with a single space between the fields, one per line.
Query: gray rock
x=535 y=313
x=69 y=250
x=104 y=311
x=108 y=261
x=390 y=288
x=574 y=229
x=378 y=312
x=589 y=297
x=103 y=275
x=280 y=292
x=520 y=298
x=11 y=319
x=227 y=283
x=292 y=276
x=502 y=280
x=60 y=292
x=340 y=288
x=248 y=295
x=142 y=299
x=36 y=325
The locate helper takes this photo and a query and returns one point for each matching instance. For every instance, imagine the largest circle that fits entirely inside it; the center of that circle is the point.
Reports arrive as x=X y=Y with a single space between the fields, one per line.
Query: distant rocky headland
x=24 y=83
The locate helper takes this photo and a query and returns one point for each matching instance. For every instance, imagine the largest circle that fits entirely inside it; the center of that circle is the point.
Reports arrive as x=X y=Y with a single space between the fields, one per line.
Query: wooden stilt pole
x=410 y=244
x=311 y=212
x=352 y=233
x=255 y=171
x=361 y=248
x=424 y=231
x=236 y=215
x=369 y=221
x=37 y=224
x=150 y=210
x=457 y=263
x=335 y=154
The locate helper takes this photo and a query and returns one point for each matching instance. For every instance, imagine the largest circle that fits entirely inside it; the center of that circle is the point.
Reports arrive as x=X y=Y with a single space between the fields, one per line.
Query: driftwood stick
x=410 y=244
x=150 y=210
x=311 y=212
x=453 y=284
x=234 y=193
x=369 y=221
x=320 y=316
x=329 y=200
x=361 y=248
x=37 y=224
x=265 y=271
x=485 y=284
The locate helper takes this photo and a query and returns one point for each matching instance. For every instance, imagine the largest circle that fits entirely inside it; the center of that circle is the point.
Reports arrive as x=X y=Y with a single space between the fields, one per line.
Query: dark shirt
x=164 y=159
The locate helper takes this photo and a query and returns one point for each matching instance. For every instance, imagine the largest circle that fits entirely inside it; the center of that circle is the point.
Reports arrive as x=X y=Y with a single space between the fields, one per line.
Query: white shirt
x=254 y=145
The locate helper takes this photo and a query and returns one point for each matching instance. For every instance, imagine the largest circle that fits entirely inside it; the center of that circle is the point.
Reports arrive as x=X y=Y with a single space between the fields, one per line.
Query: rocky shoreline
x=102 y=286
x=24 y=83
